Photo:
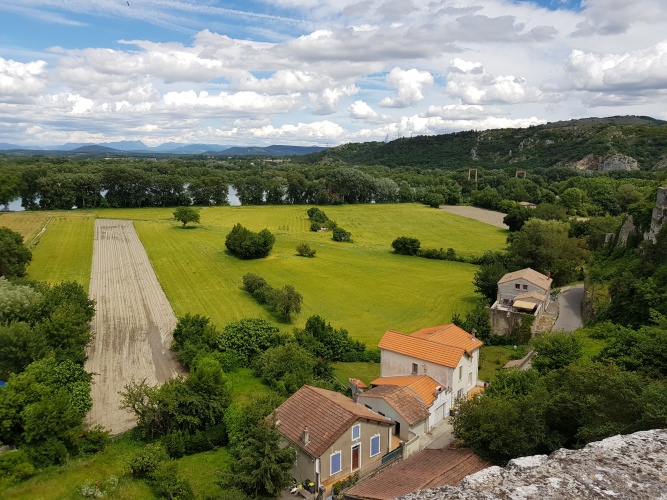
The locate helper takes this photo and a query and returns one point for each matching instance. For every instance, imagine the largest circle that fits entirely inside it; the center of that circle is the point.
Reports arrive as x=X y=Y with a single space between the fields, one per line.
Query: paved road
x=569 y=309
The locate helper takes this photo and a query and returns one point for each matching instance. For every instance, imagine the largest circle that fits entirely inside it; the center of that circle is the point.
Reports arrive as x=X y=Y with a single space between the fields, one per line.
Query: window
x=356 y=431
x=517 y=286
x=469 y=379
x=335 y=463
x=460 y=373
x=525 y=287
x=375 y=445
x=415 y=368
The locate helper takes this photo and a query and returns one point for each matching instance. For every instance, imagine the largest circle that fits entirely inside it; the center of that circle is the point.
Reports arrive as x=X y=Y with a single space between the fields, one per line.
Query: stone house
x=523 y=292
x=334 y=437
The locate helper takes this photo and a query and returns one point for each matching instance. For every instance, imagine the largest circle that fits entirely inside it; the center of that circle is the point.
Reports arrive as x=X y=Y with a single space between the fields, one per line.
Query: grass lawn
x=200 y=471
x=360 y=286
x=64 y=251
x=364 y=371
x=65 y=482
x=494 y=358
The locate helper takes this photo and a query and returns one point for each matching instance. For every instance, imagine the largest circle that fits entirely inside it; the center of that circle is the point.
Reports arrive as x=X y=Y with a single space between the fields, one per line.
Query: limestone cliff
x=658 y=216
x=627 y=467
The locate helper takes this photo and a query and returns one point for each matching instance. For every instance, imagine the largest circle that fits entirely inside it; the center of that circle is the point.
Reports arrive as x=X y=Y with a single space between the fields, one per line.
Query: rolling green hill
x=553 y=144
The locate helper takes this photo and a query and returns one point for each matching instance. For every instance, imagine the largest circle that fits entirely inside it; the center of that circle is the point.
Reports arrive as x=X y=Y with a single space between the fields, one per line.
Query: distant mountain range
x=139 y=148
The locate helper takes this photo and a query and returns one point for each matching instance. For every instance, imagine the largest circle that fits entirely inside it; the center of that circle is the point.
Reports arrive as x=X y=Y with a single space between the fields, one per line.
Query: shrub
x=315 y=226
x=253 y=282
x=16 y=464
x=246 y=244
x=94 y=440
x=304 y=250
x=406 y=246
x=340 y=234
x=317 y=215
x=147 y=460
x=164 y=480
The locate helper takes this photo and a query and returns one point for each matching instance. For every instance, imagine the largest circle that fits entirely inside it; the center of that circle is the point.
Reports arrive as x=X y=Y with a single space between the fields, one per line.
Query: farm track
x=132 y=326
x=479 y=214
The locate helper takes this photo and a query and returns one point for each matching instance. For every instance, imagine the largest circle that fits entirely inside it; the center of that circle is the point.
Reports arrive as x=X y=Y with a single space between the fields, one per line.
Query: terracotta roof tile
x=423 y=386
x=401 y=399
x=426 y=469
x=530 y=275
x=443 y=344
x=327 y=415
x=358 y=383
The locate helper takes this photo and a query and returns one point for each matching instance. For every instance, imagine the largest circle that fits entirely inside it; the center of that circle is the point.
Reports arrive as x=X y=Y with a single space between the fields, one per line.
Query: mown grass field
x=64 y=251
x=364 y=371
x=360 y=286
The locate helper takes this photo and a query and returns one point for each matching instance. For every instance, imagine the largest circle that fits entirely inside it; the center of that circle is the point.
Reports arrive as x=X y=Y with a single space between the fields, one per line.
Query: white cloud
x=327 y=101
x=614 y=17
x=360 y=110
x=21 y=79
x=311 y=131
x=463 y=112
x=629 y=72
x=239 y=102
x=409 y=85
x=471 y=83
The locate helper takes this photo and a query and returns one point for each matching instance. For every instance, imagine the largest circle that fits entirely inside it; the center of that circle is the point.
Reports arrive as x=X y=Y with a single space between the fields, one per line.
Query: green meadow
x=360 y=286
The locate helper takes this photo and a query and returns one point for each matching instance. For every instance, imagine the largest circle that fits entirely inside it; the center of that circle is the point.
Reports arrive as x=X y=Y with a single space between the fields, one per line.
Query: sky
x=320 y=72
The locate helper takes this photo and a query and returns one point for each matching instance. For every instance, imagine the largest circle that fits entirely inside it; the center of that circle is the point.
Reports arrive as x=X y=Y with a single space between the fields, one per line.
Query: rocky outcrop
x=627 y=467
x=627 y=229
x=605 y=163
x=658 y=216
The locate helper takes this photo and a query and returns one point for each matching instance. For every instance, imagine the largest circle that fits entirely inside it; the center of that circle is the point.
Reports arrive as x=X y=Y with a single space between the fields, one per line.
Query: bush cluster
x=320 y=220
x=283 y=302
x=412 y=246
x=246 y=244
x=331 y=344
x=304 y=250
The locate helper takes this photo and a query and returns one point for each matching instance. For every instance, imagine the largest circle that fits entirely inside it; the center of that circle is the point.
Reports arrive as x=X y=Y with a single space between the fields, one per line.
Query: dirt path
x=480 y=214
x=132 y=325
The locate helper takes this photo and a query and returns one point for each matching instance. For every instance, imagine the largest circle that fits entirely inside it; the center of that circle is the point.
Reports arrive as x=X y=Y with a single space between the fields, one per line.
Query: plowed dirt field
x=133 y=323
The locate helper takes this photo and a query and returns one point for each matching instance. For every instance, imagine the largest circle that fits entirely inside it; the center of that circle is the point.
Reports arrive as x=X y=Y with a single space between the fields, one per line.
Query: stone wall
x=627 y=467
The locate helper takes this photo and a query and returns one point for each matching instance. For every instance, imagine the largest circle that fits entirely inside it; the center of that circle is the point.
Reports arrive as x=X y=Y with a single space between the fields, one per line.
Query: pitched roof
x=450 y=335
x=327 y=415
x=358 y=383
x=426 y=469
x=443 y=345
x=530 y=275
x=401 y=399
x=423 y=386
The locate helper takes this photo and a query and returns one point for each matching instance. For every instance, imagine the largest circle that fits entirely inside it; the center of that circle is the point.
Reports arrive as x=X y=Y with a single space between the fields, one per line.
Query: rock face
x=658 y=216
x=627 y=229
x=627 y=467
x=605 y=163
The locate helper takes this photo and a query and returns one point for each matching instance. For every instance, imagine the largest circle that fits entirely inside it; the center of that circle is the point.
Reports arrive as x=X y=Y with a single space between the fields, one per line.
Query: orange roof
x=421 y=349
x=358 y=383
x=449 y=335
x=422 y=386
x=400 y=399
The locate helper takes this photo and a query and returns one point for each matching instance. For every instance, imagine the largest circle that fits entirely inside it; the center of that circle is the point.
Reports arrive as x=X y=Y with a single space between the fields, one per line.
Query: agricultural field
x=64 y=252
x=360 y=286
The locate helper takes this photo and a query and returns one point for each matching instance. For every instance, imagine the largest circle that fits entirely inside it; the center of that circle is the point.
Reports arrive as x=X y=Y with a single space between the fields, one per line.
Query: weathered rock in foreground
x=632 y=466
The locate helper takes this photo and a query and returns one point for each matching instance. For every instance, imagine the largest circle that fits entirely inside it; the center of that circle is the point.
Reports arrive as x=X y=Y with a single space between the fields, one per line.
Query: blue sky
x=315 y=72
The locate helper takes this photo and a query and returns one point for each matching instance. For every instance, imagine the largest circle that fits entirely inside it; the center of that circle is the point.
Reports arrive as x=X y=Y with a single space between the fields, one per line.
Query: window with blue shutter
x=335 y=463
x=375 y=445
x=356 y=431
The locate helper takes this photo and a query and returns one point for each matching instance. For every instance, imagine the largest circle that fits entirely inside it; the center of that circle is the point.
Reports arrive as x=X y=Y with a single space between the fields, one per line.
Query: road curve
x=569 y=309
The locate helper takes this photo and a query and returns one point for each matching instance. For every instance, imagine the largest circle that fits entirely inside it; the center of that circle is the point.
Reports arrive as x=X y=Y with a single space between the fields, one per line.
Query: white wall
x=508 y=290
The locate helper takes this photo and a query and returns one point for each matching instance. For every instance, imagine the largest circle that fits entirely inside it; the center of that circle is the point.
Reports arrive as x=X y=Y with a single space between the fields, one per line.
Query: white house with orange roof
x=447 y=354
x=426 y=390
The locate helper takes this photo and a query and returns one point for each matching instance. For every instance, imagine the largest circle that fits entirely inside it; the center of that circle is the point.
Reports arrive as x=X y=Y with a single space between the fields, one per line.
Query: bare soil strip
x=133 y=323
x=480 y=214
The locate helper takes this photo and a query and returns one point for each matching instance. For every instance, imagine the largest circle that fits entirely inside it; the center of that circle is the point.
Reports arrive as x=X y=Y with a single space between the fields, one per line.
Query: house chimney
x=473 y=332
x=548 y=275
x=305 y=437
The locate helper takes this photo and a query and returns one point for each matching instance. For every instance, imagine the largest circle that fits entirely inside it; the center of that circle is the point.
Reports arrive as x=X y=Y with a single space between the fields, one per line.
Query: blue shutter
x=335 y=463
x=375 y=445
x=356 y=431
